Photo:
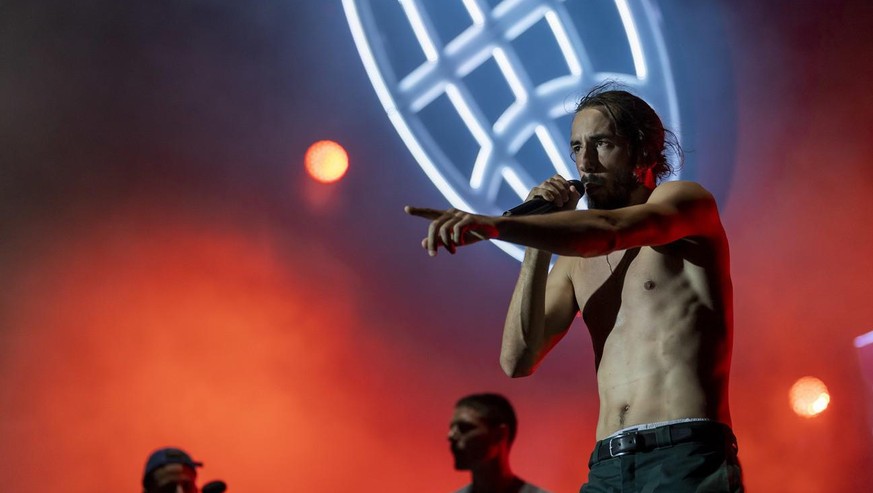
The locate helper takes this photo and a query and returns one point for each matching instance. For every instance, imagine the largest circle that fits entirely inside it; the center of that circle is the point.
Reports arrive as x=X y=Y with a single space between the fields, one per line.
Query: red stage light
x=809 y=397
x=326 y=161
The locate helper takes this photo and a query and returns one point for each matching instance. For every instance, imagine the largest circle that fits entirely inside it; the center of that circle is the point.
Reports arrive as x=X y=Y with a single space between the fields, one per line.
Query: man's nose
x=585 y=162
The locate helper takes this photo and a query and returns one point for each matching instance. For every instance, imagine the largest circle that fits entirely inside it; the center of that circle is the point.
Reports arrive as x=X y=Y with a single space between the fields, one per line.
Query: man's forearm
x=570 y=233
x=523 y=331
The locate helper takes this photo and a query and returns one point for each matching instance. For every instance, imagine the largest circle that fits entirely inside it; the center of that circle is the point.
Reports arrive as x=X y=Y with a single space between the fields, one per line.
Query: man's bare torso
x=660 y=322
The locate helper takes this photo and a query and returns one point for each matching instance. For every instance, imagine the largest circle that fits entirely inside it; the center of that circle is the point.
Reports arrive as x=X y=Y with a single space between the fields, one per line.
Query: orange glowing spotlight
x=326 y=161
x=809 y=397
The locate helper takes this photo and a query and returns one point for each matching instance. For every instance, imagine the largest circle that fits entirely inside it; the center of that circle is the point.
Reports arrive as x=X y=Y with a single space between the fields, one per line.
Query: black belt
x=632 y=442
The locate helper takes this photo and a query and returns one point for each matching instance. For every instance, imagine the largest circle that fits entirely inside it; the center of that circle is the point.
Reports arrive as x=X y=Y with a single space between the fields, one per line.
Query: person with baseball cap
x=170 y=470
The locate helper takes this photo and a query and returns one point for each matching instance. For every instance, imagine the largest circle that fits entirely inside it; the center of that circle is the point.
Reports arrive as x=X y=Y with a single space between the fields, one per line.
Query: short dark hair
x=635 y=120
x=494 y=408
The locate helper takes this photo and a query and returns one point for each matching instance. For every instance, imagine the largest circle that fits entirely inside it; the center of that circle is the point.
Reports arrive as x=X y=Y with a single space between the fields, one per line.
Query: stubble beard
x=617 y=194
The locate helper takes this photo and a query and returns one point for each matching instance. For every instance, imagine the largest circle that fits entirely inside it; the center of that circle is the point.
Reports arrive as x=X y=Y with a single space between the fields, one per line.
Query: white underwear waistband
x=649 y=426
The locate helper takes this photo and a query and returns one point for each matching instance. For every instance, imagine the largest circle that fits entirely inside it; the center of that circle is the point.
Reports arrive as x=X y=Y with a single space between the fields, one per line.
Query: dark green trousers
x=707 y=463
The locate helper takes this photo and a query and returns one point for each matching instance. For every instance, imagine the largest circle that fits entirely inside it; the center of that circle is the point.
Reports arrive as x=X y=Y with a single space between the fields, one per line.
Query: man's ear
x=502 y=432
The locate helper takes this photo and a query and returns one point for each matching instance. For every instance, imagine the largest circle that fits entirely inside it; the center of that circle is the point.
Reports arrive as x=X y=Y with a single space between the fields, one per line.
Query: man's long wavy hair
x=636 y=121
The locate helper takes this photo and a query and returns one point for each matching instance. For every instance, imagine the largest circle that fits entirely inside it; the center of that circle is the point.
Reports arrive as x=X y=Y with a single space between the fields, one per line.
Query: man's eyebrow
x=593 y=137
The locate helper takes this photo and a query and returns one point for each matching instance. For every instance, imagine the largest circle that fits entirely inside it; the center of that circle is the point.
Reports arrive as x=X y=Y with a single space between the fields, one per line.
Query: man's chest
x=602 y=284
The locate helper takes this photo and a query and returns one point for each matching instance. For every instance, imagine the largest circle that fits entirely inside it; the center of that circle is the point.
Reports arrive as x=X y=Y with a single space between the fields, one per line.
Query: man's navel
x=622 y=415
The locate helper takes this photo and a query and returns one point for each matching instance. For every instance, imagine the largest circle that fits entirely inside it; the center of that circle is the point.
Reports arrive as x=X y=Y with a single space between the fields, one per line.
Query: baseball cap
x=167 y=455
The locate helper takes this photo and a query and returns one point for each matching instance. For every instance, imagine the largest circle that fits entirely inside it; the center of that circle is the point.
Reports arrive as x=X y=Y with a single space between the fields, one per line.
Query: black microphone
x=214 y=487
x=539 y=205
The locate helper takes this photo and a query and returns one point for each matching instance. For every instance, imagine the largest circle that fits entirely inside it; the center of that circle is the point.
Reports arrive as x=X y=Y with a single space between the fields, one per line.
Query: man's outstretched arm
x=674 y=210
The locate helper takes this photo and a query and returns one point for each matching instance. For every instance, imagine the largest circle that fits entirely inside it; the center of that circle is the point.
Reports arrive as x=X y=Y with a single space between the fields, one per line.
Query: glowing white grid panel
x=535 y=108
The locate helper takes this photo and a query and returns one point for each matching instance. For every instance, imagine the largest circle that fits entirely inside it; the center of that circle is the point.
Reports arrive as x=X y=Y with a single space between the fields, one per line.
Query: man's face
x=174 y=478
x=471 y=439
x=602 y=159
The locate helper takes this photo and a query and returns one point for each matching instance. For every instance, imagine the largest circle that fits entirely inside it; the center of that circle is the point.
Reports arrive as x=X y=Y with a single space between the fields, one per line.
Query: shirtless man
x=648 y=267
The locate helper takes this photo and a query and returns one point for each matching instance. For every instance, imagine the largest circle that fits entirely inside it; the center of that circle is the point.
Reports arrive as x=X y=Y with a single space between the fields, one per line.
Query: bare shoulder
x=686 y=198
x=692 y=207
x=681 y=192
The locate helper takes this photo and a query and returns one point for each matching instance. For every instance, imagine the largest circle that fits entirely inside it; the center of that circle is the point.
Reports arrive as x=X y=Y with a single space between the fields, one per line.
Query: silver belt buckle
x=626 y=443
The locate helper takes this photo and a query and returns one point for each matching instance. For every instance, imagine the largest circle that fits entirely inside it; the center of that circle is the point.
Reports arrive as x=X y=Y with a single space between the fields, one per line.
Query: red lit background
x=171 y=276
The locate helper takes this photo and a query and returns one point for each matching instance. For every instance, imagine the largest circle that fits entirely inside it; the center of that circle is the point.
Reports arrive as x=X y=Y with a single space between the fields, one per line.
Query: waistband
x=649 y=426
x=645 y=440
